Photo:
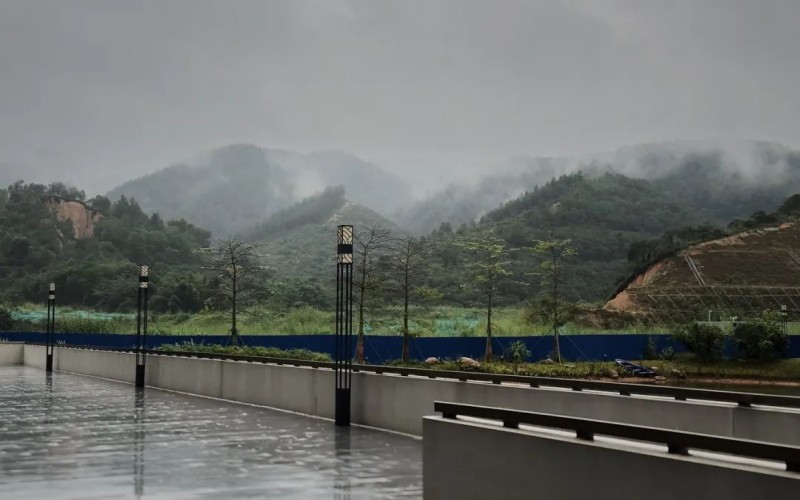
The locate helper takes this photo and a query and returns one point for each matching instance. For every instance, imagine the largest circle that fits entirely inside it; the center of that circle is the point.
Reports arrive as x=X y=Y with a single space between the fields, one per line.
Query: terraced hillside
x=739 y=275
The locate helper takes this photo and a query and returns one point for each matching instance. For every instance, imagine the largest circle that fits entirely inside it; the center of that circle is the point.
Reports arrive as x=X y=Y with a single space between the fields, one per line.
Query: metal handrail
x=743 y=399
x=677 y=442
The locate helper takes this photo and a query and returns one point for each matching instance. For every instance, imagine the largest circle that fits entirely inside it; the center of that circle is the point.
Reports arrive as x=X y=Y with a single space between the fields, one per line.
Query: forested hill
x=39 y=246
x=241 y=185
x=601 y=215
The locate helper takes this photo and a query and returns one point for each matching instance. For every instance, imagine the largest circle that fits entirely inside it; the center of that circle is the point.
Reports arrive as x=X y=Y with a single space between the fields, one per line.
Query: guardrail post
x=677 y=449
x=344 y=324
x=51 y=327
x=141 y=325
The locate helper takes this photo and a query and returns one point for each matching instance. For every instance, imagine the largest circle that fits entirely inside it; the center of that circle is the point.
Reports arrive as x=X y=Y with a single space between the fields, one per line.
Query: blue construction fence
x=381 y=349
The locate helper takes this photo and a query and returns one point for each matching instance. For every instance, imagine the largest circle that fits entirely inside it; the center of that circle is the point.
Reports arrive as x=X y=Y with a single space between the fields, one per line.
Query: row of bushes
x=757 y=339
x=270 y=352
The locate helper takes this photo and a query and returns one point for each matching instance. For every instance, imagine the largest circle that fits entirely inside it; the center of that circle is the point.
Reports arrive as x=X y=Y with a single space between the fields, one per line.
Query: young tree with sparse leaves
x=490 y=266
x=551 y=255
x=407 y=267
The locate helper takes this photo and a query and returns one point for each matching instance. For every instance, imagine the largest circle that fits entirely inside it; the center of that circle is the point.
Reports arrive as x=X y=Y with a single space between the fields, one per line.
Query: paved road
x=77 y=437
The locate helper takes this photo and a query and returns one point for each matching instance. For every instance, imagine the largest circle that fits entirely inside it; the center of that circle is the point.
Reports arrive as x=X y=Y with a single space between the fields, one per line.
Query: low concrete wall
x=106 y=364
x=11 y=354
x=468 y=460
x=34 y=356
x=398 y=403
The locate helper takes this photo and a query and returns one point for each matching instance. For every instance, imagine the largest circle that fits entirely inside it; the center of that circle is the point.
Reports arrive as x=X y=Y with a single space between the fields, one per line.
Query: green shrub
x=6 y=321
x=517 y=353
x=761 y=338
x=704 y=341
x=650 y=350
x=667 y=354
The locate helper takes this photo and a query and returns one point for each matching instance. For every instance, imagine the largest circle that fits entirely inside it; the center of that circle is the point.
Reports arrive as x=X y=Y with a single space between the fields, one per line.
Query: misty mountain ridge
x=720 y=180
x=299 y=242
x=236 y=187
x=328 y=208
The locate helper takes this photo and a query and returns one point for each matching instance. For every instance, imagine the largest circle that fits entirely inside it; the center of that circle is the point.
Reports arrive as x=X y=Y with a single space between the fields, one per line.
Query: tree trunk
x=488 y=355
x=406 y=351
x=360 y=339
x=556 y=322
x=234 y=341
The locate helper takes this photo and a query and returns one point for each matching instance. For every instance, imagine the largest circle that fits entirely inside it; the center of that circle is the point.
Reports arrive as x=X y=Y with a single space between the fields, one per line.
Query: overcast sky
x=96 y=92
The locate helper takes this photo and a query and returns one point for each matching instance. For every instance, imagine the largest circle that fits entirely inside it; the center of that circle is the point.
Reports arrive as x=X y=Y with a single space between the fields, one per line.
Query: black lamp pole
x=785 y=317
x=344 y=323
x=51 y=326
x=138 y=444
x=141 y=324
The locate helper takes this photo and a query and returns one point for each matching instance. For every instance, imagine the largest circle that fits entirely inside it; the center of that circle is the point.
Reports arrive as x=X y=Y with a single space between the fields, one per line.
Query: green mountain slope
x=601 y=215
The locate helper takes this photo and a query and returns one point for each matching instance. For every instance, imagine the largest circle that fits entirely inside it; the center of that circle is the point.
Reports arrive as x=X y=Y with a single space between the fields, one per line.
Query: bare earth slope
x=83 y=218
x=746 y=272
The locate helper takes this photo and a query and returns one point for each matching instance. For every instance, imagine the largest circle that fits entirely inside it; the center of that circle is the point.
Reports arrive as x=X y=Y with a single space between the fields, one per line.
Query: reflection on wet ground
x=67 y=436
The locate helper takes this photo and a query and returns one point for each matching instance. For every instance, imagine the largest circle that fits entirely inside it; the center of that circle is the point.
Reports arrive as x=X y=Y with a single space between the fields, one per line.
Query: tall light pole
x=51 y=326
x=344 y=323
x=141 y=324
x=785 y=318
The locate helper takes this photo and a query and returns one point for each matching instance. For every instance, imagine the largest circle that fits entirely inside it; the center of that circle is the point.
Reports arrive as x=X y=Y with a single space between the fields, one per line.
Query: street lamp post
x=785 y=318
x=141 y=324
x=344 y=323
x=51 y=326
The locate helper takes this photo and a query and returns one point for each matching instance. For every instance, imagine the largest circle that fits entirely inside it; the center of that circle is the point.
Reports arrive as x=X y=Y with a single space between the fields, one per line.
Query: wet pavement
x=81 y=438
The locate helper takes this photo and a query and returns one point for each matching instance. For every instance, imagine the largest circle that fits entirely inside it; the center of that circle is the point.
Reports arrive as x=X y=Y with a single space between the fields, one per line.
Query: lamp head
x=344 y=247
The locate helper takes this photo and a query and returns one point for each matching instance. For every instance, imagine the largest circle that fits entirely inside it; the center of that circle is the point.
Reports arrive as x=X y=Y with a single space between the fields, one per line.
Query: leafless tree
x=235 y=269
x=370 y=243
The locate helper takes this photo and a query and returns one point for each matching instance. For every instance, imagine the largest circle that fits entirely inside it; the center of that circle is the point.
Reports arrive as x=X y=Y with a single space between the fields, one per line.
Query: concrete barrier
x=468 y=460
x=398 y=403
x=11 y=354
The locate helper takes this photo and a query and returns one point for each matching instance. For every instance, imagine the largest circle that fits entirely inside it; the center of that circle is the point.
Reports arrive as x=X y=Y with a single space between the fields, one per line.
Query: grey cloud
x=97 y=92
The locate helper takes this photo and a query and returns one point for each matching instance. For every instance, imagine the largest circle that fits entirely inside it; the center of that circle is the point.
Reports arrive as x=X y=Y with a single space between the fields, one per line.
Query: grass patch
x=780 y=369
x=777 y=370
x=440 y=321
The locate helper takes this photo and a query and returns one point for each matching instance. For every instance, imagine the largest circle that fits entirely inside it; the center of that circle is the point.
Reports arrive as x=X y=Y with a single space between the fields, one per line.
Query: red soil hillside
x=740 y=274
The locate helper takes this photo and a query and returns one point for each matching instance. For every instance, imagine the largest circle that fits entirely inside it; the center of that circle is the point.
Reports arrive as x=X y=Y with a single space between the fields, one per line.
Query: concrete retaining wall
x=398 y=403
x=11 y=354
x=468 y=460
x=106 y=364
